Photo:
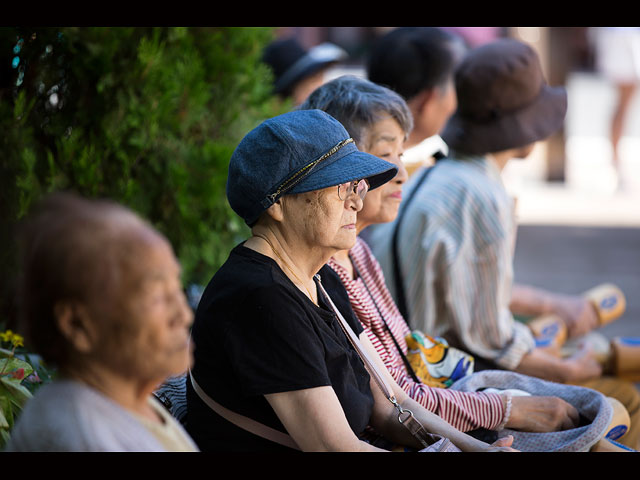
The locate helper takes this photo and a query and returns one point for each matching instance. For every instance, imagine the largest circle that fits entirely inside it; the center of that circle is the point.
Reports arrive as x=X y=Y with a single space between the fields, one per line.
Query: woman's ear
x=275 y=211
x=75 y=324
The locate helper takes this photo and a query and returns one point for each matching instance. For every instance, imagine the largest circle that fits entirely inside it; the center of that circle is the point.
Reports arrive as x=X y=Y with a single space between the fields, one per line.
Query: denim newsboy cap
x=296 y=152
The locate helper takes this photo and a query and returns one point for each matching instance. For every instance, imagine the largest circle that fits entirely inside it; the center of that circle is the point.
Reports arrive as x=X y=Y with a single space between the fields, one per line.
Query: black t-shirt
x=255 y=333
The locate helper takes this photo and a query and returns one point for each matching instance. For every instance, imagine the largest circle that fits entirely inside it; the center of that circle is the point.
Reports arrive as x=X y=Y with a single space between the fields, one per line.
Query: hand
x=502 y=445
x=582 y=365
x=578 y=314
x=541 y=414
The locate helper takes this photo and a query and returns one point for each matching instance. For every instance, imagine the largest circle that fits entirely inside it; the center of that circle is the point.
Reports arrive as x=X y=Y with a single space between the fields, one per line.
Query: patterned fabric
x=464 y=411
x=173 y=395
x=456 y=246
x=592 y=405
x=435 y=362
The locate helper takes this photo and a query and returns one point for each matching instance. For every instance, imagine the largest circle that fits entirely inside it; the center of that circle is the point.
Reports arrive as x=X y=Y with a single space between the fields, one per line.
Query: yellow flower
x=15 y=339
x=5 y=336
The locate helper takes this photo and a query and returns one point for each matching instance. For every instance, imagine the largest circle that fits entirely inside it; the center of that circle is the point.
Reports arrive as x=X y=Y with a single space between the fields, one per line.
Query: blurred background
x=149 y=117
x=569 y=179
x=579 y=215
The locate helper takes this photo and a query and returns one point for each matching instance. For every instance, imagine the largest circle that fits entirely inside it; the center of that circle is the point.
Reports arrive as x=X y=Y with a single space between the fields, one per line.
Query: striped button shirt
x=456 y=246
x=464 y=410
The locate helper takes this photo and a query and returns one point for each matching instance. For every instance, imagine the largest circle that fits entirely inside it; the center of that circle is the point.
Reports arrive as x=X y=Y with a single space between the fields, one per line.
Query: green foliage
x=148 y=117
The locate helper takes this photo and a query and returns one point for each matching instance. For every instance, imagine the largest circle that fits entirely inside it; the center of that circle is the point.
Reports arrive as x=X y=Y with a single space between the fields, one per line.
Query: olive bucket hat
x=297 y=152
x=504 y=101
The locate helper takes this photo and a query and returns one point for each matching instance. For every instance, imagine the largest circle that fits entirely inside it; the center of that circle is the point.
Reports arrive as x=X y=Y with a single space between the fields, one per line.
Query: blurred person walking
x=617 y=59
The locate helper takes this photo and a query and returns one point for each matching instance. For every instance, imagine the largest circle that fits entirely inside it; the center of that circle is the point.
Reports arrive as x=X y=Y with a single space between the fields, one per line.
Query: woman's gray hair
x=358 y=103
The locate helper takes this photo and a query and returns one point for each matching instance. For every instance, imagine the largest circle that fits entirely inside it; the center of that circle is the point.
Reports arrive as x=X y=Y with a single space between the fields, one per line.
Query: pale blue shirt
x=456 y=246
x=69 y=416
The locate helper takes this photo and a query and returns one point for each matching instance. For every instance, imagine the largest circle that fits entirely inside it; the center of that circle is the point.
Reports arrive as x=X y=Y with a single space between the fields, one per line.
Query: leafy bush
x=148 y=117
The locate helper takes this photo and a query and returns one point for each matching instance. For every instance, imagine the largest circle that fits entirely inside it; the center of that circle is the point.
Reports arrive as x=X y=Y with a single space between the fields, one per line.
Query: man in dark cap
x=455 y=234
x=297 y=71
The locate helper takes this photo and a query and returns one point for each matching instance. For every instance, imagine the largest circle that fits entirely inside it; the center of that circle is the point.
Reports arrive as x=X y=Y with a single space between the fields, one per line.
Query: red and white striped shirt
x=464 y=410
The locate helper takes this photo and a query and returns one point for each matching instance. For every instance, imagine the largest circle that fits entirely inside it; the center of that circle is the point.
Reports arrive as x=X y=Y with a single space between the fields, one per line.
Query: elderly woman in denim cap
x=273 y=369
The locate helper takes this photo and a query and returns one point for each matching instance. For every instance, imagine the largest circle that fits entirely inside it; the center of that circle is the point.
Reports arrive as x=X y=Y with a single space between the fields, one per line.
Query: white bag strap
x=405 y=416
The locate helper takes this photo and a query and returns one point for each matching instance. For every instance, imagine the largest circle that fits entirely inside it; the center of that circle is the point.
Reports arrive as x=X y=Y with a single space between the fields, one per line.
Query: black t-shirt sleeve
x=272 y=345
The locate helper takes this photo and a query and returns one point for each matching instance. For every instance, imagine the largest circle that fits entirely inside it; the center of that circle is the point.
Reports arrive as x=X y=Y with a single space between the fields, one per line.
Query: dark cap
x=504 y=101
x=297 y=152
x=291 y=63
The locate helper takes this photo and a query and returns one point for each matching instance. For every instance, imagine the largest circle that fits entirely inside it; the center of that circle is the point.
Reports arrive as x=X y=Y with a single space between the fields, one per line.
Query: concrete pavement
x=572 y=259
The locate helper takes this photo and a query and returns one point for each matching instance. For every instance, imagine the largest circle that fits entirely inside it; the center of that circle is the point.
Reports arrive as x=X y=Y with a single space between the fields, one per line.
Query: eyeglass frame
x=359 y=187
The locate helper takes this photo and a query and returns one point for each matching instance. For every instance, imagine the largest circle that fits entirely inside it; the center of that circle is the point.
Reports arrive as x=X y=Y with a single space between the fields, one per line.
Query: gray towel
x=591 y=404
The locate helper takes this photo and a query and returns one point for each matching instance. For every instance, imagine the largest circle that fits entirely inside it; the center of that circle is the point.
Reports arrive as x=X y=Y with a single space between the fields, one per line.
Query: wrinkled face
x=145 y=332
x=321 y=220
x=384 y=140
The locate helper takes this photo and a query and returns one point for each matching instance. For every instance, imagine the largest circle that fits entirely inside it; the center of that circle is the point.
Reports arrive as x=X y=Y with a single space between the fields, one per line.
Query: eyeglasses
x=345 y=190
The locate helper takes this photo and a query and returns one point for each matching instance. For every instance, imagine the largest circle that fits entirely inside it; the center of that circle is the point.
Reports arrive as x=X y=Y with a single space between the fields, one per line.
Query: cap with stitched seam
x=297 y=152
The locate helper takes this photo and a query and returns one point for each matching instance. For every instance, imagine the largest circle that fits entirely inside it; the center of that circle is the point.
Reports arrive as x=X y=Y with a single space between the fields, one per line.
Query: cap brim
x=354 y=165
x=533 y=123
x=315 y=59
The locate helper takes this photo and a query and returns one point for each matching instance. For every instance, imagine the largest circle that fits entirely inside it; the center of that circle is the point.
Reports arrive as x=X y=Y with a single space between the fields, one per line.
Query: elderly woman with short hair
x=273 y=367
x=101 y=299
